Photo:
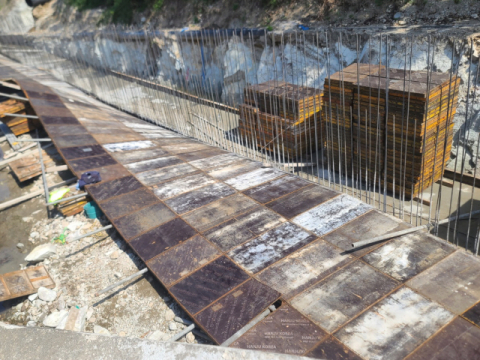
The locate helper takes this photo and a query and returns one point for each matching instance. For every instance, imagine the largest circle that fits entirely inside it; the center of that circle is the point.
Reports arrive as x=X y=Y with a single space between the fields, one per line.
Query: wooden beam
x=466 y=179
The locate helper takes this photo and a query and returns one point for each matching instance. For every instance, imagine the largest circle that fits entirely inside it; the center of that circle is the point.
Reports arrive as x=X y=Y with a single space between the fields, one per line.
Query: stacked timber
x=281 y=117
x=402 y=128
x=29 y=166
x=18 y=125
x=73 y=206
x=339 y=90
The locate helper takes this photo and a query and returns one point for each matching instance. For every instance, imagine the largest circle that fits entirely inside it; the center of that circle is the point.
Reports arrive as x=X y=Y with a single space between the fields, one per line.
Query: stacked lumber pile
x=337 y=112
x=18 y=125
x=73 y=206
x=281 y=117
x=402 y=135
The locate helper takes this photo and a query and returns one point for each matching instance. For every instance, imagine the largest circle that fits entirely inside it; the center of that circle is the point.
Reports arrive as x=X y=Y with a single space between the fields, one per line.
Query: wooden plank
x=467 y=178
x=254 y=178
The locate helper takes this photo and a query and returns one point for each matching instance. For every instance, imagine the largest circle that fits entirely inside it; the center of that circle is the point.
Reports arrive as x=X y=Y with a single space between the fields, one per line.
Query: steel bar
x=15 y=97
x=430 y=225
x=90 y=233
x=42 y=165
x=9 y=85
x=21 y=116
x=243 y=330
x=34 y=140
x=123 y=281
x=65 y=199
x=182 y=333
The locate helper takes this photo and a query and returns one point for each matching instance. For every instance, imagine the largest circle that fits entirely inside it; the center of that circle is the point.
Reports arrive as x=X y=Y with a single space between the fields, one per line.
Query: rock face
x=41 y=252
x=47 y=294
x=16 y=18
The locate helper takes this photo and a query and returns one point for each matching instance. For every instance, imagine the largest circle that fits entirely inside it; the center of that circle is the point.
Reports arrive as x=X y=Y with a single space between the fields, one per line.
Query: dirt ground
x=140 y=308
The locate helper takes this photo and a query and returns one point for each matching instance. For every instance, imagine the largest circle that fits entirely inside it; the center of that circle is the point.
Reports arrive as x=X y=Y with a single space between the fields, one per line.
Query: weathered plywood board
x=24 y=282
x=207 y=284
x=215 y=161
x=219 y=211
x=333 y=302
x=183 y=259
x=331 y=214
x=332 y=349
x=285 y=331
x=232 y=170
x=128 y=157
x=302 y=200
x=186 y=148
x=127 y=203
x=129 y=146
x=145 y=219
x=303 y=268
x=200 y=197
x=108 y=189
x=156 y=176
x=176 y=187
x=254 y=178
x=458 y=340
x=473 y=314
x=242 y=228
x=395 y=326
x=231 y=313
x=269 y=247
x=92 y=162
x=152 y=164
x=409 y=255
x=369 y=225
x=274 y=189
x=162 y=238
x=454 y=282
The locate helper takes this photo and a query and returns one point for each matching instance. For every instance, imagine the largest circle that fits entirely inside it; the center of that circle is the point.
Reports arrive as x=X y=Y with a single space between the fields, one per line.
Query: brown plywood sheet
x=207 y=284
x=453 y=282
x=304 y=268
x=370 y=225
x=231 y=313
x=473 y=314
x=186 y=148
x=156 y=176
x=406 y=256
x=182 y=185
x=127 y=203
x=113 y=138
x=219 y=211
x=235 y=169
x=58 y=120
x=302 y=200
x=24 y=282
x=127 y=157
x=62 y=130
x=243 y=227
x=78 y=152
x=92 y=162
x=201 y=154
x=458 y=340
x=264 y=250
x=152 y=164
x=143 y=220
x=215 y=162
x=197 y=198
x=334 y=301
x=162 y=238
x=253 y=178
x=285 y=331
x=74 y=140
x=183 y=259
x=332 y=349
x=274 y=189
x=395 y=326
x=106 y=190
x=111 y=172
x=129 y=146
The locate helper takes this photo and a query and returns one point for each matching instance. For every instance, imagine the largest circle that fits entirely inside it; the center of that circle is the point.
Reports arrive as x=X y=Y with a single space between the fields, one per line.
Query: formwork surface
x=228 y=238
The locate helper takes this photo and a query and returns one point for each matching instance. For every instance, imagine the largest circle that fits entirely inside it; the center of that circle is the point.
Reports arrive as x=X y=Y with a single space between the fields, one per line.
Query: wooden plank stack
x=339 y=90
x=401 y=136
x=29 y=166
x=18 y=125
x=73 y=206
x=282 y=117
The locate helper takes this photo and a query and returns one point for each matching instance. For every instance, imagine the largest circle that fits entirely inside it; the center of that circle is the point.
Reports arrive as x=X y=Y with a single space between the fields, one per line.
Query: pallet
x=24 y=282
